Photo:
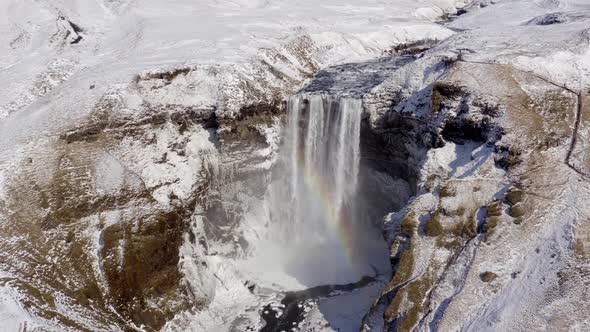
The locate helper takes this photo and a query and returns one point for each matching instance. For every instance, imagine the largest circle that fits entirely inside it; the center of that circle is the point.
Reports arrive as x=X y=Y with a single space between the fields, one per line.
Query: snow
x=342 y=312
x=109 y=174
x=572 y=69
x=14 y=317
x=461 y=161
x=49 y=81
x=167 y=170
x=558 y=51
x=123 y=38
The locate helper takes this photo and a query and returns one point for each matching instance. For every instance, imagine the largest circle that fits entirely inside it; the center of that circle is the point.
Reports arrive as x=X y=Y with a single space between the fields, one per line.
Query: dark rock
x=76 y=40
x=88 y=133
x=433 y=227
x=488 y=276
x=162 y=159
x=549 y=19
x=149 y=266
x=75 y=27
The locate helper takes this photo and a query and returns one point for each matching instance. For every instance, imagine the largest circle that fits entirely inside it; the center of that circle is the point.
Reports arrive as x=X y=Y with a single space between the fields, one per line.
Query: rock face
x=483 y=245
x=483 y=205
x=112 y=242
x=110 y=208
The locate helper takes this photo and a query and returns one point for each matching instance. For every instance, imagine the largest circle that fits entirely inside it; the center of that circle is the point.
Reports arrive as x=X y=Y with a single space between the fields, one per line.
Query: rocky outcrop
x=482 y=204
x=113 y=245
x=110 y=208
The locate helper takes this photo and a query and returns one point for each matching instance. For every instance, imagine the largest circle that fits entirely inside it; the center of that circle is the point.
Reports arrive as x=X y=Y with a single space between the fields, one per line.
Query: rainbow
x=335 y=220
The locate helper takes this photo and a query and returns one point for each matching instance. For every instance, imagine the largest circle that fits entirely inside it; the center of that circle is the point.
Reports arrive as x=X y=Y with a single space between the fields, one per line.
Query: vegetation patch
x=490 y=226
x=517 y=211
x=488 y=276
x=434 y=227
x=515 y=196
x=460 y=211
x=447 y=191
x=142 y=264
x=409 y=225
x=471 y=227
x=579 y=248
x=466 y=229
x=495 y=209
x=509 y=158
x=404 y=267
x=443 y=91
x=416 y=293
x=407 y=305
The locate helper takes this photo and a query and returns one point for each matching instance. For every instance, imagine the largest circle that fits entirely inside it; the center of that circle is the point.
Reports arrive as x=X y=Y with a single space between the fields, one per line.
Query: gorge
x=255 y=165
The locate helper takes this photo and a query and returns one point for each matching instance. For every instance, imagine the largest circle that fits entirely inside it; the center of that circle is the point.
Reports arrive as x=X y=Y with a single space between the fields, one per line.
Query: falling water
x=323 y=148
x=313 y=210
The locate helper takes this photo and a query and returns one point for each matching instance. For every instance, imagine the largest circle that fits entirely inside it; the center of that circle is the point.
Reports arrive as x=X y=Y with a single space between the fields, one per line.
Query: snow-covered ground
x=121 y=39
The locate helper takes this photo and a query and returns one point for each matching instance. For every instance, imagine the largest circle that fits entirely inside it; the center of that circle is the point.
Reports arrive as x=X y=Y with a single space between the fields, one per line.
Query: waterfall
x=313 y=209
x=323 y=150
